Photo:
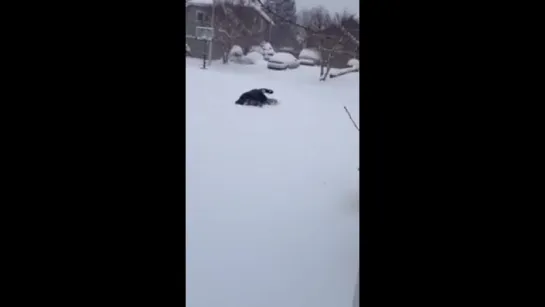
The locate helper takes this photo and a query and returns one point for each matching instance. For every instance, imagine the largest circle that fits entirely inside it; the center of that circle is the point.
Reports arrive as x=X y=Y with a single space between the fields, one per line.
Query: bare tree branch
x=352 y=38
x=282 y=18
x=349 y=115
x=344 y=72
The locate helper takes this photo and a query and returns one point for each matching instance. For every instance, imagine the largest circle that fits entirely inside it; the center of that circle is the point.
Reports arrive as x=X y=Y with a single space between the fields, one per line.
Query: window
x=202 y=16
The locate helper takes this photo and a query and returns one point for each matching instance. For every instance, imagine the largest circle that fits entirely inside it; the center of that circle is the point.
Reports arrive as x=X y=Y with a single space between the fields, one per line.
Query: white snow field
x=272 y=192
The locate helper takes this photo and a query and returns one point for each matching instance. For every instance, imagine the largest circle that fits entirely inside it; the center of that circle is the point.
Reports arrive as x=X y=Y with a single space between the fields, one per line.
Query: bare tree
x=315 y=20
x=328 y=55
x=337 y=40
x=344 y=72
x=344 y=18
x=236 y=21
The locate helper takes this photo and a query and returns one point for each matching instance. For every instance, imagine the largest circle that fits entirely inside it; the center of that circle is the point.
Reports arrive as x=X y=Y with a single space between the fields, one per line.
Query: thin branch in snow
x=349 y=115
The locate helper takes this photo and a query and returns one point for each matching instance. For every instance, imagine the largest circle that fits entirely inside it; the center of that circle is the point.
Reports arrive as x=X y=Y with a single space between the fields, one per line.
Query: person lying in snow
x=256 y=97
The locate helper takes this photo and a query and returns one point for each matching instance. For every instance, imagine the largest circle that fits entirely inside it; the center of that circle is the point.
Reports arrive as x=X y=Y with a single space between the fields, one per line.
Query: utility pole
x=211 y=43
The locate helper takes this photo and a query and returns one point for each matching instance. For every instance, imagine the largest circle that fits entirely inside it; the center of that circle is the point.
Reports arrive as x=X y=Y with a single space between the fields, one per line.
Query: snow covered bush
x=268 y=50
x=236 y=51
x=237 y=56
x=354 y=63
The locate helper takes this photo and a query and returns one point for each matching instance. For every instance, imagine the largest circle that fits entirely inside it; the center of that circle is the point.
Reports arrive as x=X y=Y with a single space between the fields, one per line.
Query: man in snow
x=255 y=97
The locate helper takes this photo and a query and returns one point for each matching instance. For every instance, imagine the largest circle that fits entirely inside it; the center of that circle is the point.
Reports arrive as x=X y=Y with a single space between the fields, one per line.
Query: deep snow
x=272 y=193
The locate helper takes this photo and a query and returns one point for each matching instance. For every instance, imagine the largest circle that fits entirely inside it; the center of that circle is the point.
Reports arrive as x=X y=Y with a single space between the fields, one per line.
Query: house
x=252 y=25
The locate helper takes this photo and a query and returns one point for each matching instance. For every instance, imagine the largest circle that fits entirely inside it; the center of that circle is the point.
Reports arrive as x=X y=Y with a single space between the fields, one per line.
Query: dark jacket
x=255 y=95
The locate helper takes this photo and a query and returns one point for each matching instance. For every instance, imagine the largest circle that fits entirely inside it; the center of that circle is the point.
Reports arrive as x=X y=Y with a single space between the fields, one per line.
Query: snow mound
x=353 y=63
x=310 y=54
x=255 y=57
x=236 y=55
x=267 y=46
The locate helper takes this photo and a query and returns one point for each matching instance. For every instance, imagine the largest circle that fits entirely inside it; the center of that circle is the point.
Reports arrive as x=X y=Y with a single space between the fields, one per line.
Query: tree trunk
x=225 y=57
x=329 y=57
x=322 y=59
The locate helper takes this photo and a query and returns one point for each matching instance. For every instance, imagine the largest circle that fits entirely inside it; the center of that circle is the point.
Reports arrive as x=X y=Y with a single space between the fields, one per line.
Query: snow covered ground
x=272 y=192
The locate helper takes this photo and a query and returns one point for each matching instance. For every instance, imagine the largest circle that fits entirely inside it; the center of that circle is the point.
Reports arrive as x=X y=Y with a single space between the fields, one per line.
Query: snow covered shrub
x=236 y=51
x=236 y=55
x=268 y=50
x=354 y=63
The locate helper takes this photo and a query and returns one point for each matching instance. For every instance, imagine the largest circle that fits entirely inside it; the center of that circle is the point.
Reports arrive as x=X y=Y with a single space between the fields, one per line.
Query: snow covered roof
x=200 y=2
x=254 y=4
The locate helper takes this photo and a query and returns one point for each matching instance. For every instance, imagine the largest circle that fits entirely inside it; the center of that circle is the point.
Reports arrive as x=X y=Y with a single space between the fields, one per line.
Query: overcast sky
x=333 y=6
